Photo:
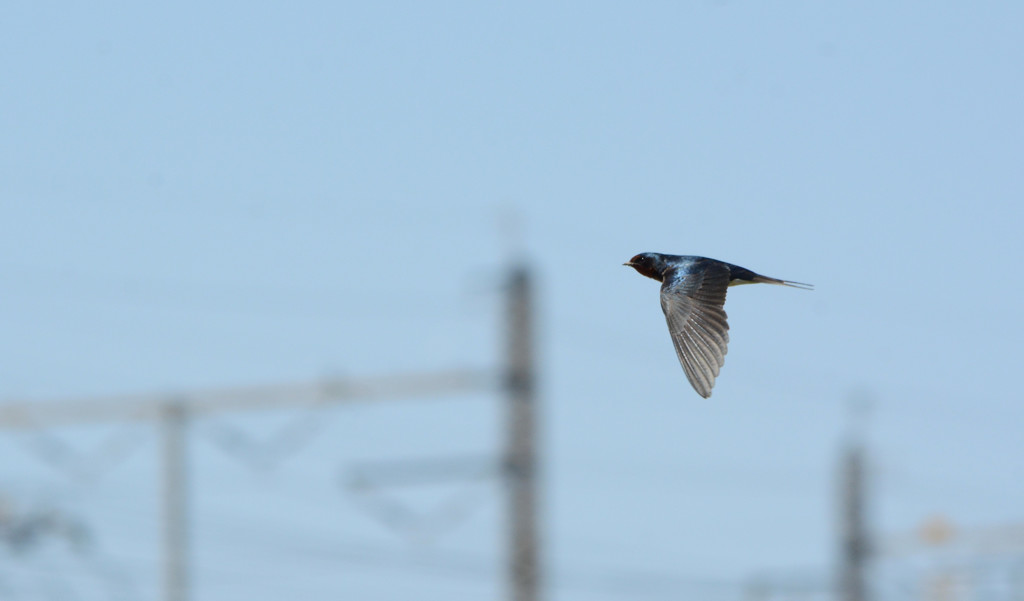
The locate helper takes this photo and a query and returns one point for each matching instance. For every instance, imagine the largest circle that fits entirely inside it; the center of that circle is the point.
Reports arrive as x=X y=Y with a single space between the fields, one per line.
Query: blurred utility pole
x=175 y=497
x=855 y=545
x=521 y=453
x=518 y=457
x=173 y=415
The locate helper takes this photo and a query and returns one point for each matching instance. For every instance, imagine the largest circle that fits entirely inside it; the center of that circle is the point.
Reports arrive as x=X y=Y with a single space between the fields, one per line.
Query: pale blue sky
x=197 y=195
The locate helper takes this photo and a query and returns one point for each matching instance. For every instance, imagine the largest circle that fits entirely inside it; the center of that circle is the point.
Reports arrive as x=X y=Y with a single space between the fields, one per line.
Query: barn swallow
x=692 y=296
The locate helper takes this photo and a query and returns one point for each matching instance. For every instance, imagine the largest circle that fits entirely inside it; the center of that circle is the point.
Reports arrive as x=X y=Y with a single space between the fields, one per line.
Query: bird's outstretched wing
x=693 y=303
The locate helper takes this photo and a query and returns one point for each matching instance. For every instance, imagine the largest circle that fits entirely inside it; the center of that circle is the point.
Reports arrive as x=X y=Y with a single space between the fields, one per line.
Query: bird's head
x=651 y=265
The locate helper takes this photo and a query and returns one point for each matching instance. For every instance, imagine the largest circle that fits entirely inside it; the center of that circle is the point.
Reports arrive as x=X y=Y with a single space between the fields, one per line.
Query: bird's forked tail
x=763 y=279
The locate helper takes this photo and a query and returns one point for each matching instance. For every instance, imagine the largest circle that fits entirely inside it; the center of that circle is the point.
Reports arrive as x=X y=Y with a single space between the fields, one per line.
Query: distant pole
x=854 y=549
x=171 y=417
x=175 y=535
x=520 y=452
x=1018 y=583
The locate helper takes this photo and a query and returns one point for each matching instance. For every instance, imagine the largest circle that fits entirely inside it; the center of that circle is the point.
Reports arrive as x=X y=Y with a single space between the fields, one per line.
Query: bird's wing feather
x=693 y=303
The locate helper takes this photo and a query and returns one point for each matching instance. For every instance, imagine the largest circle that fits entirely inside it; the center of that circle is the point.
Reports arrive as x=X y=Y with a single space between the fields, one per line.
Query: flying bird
x=692 y=296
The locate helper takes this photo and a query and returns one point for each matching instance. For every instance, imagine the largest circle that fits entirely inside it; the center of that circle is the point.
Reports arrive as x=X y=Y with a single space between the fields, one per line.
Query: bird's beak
x=629 y=264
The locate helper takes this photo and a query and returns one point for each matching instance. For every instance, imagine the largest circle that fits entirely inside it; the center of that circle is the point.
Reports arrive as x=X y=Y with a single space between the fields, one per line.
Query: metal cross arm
x=149 y=407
